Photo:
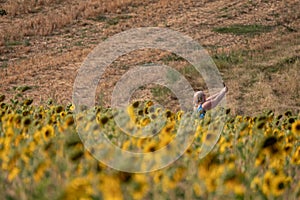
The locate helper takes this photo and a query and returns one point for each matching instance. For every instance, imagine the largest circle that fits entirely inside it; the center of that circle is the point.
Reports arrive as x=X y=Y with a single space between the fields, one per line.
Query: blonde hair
x=198 y=98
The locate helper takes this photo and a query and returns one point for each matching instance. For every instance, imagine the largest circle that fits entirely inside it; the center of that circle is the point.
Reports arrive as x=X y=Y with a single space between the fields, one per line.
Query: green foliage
x=13 y=43
x=189 y=70
x=172 y=57
x=241 y=29
x=227 y=60
x=161 y=93
x=22 y=88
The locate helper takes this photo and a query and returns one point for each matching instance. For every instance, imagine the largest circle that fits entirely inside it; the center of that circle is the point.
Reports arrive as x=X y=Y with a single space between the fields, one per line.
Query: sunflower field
x=43 y=157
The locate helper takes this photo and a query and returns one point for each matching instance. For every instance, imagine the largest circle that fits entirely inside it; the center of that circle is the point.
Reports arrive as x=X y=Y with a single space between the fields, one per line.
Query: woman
x=201 y=104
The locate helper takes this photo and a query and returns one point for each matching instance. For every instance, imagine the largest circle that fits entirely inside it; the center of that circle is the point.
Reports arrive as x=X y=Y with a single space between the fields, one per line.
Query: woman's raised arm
x=215 y=100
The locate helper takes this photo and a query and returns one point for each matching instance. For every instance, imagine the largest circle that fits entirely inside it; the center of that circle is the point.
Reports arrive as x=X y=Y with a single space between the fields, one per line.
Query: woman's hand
x=226 y=89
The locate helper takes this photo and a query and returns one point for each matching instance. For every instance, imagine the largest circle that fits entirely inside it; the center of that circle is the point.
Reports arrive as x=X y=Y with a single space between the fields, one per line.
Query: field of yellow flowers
x=43 y=157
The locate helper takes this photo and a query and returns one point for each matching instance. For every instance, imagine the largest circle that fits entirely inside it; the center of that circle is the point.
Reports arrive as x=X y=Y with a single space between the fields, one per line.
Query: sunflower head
x=48 y=132
x=296 y=128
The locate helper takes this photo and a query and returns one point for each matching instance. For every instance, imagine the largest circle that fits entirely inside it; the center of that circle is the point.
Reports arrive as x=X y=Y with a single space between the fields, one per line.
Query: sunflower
x=197 y=189
x=255 y=183
x=271 y=146
x=135 y=104
x=110 y=187
x=140 y=112
x=168 y=128
x=131 y=113
x=150 y=109
x=17 y=121
x=168 y=183
x=40 y=171
x=267 y=181
x=125 y=177
x=72 y=107
x=164 y=140
x=26 y=121
x=168 y=114
x=48 y=132
x=296 y=157
x=149 y=103
x=59 y=109
x=151 y=146
x=296 y=128
x=209 y=138
x=179 y=115
x=276 y=164
x=225 y=147
x=153 y=116
x=76 y=155
x=9 y=132
x=279 y=184
x=287 y=148
x=104 y=120
x=158 y=176
x=145 y=121
x=235 y=185
x=211 y=184
x=63 y=114
x=179 y=173
x=141 y=142
x=158 y=110
x=78 y=188
x=27 y=102
x=288 y=113
x=260 y=125
x=140 y=186
x=13 y=173
x=69 y=121
x=126 y=145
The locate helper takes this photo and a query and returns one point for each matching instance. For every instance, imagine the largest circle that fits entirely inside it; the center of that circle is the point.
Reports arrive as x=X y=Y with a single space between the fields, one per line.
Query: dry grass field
x=255 y=45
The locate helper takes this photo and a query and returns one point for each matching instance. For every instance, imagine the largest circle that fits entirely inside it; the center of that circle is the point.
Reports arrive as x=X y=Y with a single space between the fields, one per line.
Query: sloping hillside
x=255 y=44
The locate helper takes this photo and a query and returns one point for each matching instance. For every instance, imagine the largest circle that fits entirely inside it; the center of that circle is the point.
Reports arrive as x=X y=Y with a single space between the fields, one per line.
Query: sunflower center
x=269 y=142
x=152 y=149
x=27 y=122
x=280 y=186
x=47 y=133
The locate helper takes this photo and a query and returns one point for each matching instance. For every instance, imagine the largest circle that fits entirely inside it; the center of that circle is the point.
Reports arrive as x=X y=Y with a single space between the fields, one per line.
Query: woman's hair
x=198 y=98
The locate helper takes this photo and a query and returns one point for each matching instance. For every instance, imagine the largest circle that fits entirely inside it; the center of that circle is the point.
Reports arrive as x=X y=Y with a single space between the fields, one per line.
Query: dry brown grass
x=19 y=7
x=254 y=90
x=54 y=17
x=43 y=43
